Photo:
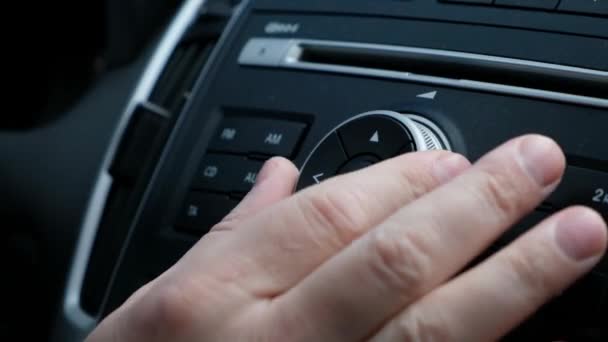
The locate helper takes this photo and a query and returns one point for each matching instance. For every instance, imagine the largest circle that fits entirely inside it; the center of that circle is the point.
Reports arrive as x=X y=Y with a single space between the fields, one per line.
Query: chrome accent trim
x=156 y=109
x=293 y=48
x=72 y=310
x=434 y=130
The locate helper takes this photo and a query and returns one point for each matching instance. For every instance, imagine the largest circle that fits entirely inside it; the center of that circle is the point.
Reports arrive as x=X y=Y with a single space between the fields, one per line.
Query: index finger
x=295 y=236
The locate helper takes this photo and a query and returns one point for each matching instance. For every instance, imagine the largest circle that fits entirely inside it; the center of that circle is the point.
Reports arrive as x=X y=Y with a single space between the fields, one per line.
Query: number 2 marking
x=599 y=194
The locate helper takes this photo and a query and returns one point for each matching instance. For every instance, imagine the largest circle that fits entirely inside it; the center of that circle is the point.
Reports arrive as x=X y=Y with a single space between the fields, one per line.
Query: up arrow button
x=379 y=136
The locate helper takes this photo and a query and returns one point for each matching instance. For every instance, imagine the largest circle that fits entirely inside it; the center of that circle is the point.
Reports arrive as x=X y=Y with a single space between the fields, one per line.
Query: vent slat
x=189 y=79
x=173 y=79
x=185 y=65
x=162 y=84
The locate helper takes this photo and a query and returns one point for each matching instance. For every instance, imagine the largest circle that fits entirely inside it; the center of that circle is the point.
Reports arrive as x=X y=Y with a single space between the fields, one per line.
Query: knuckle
x=530 y=275
x=339 y=212
x=502 y=194
x=228 y=223
x=415 y=326
x=415 y=182
x=414 y=176
x=401 y=263
x=163 y=311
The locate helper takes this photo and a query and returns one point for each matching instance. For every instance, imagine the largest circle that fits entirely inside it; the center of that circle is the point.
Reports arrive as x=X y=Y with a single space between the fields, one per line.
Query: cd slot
x=459 y=67
x=449 y=68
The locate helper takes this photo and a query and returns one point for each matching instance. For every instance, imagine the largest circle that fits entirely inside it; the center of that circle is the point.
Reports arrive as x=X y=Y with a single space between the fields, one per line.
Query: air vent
x=185 y=65
x=141 y=147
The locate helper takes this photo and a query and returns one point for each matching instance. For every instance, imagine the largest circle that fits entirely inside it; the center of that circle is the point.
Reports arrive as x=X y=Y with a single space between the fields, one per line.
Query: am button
x=258 y=136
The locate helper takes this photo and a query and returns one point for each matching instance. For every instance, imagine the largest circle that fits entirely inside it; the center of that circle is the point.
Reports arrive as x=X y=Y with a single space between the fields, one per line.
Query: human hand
x=374 y=255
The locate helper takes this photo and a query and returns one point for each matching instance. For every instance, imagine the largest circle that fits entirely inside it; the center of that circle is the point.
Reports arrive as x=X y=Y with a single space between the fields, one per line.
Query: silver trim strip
x=74 y=314
x=291 y=59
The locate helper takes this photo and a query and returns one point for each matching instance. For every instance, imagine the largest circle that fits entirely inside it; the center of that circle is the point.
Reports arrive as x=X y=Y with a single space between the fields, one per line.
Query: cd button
x=227 y=173
x=380 y=136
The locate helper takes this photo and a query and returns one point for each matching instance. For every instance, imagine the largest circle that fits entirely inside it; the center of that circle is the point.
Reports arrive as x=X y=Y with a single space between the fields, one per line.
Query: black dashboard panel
x=285 y=104
x=551 y=47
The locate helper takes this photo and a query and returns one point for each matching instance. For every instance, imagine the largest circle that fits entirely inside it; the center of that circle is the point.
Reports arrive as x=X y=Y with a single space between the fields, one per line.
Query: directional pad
x=355 y=145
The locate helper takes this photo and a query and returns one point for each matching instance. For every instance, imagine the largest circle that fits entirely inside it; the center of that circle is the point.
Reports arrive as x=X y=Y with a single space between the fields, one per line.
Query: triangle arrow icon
x=317 y=177
x=430 y=96
x=375 y=138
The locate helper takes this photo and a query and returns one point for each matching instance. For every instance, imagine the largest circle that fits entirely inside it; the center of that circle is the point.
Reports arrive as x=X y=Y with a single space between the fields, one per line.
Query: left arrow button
x=323 y=163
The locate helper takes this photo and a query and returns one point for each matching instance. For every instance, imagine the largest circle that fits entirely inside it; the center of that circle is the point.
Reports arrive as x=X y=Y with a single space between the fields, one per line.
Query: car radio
x=339 y=85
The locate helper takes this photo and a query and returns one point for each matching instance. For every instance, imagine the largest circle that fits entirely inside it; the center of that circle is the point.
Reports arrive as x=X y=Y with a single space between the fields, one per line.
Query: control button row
x=218 y=178
x=226 y=173
x=243 y=135
x=593 y=7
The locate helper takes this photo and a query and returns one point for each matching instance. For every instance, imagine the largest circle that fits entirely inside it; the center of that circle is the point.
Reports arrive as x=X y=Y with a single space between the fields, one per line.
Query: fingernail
x=542 y=159
x=581 y=234
x=449 y=166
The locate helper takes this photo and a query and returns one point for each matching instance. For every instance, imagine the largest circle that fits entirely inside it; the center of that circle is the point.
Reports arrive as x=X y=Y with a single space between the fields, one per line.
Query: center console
x=339 y=85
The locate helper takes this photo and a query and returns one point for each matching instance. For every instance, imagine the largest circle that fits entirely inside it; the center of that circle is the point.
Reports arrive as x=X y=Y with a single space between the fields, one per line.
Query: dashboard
x=336 y=86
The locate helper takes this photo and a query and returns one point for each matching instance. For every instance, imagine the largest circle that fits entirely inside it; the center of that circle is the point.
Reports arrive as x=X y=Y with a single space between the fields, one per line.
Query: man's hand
x=374 y=255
